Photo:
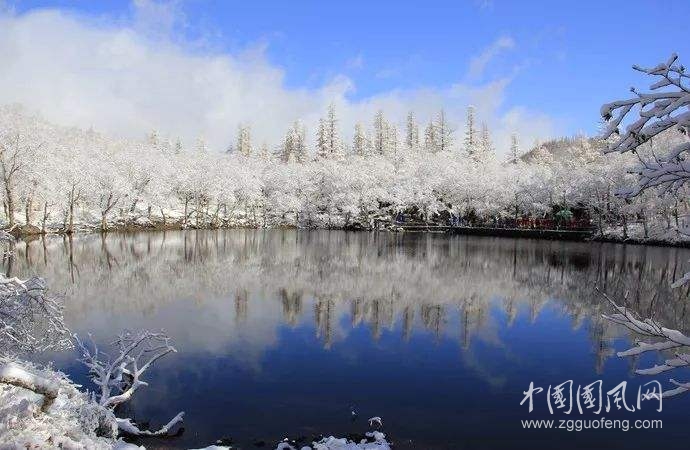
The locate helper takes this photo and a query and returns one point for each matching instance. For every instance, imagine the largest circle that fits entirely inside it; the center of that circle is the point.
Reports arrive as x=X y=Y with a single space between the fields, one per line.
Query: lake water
x=281 y=333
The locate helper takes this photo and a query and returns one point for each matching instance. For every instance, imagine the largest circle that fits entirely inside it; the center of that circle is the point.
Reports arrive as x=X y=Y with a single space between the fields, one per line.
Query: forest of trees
x=63 y=179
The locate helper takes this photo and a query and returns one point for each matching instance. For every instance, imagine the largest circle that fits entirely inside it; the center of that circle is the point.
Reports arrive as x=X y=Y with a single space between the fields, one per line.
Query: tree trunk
x=10 y=203
x=215 y=223
x=45 y=217
x=70 y=226
x=70 y=212
x=625 y=227
x=27 y=210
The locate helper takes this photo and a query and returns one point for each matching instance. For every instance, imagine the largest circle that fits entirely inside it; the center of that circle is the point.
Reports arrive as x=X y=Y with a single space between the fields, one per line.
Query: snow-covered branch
x=663 y=339
x=13 y=374
x=119 y=377
x=31 y=319
x=129 y=427
x=665 y=108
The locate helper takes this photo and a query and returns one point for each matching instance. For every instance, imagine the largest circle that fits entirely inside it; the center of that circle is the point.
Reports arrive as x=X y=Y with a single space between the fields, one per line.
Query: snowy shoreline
x=611 y=235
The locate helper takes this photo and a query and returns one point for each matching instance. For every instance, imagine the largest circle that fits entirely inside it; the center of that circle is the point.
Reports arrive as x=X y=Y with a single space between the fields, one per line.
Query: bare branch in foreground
x=118 y=378
x=667 y=339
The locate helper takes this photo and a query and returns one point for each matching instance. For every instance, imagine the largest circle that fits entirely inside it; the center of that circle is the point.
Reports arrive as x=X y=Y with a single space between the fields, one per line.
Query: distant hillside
x=563 y=149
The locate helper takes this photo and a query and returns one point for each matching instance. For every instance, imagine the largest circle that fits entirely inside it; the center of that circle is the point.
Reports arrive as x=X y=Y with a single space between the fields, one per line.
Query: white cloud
x=130 y=76
x=478 y=63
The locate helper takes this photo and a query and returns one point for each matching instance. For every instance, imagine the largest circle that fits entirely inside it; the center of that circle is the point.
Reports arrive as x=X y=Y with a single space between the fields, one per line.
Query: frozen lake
x=280 y=333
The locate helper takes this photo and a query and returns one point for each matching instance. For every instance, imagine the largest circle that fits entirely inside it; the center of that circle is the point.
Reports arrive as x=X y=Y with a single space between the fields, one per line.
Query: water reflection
x=376 y=278
x=243 y=301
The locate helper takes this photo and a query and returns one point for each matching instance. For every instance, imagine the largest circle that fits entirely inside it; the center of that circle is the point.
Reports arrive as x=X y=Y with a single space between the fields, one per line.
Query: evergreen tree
x=328 y=143
x=392 y=139
x=471 y=141
x=264 y=152
x=444 y=133
x=322 y=150
x=293 y=148
x=244 y=142
x=412 y=132
x=360 y=141
x=380 y=133
x=486 y=146
x=430 y=139
x=514 y=149
x=201 y=146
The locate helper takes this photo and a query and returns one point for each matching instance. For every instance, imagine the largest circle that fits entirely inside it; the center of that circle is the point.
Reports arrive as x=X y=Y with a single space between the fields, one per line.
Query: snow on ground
x=657 y=231
x=70 y=422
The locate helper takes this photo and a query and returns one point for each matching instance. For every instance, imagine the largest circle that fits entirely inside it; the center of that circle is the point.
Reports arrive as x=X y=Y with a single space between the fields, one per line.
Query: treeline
x=60 y=179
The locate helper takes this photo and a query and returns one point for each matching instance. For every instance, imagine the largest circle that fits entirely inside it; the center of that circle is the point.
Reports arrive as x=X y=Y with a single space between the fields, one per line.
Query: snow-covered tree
x=514 y=149
x=392 y=139
x=244 y=140
x=328 y=144
x=360 y=141
x=294 y=148
x=430 y=138
x=264 y=152
x=82 y=179
x=665 y=107
x=471 y=141
x=444 y=132
x=201 y=145
x=20 y=143
x=411 y=132
x=385 y=137
x=486 y=151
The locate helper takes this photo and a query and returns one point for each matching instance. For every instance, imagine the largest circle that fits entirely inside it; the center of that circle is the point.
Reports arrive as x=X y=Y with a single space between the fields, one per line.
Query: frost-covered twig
x=668 y=339
x=659 y=110
x=31 y=319
x=119 y=378
x=129 y=427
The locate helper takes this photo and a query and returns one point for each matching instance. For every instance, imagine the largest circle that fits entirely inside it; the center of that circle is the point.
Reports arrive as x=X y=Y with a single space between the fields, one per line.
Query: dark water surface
x=280 y=333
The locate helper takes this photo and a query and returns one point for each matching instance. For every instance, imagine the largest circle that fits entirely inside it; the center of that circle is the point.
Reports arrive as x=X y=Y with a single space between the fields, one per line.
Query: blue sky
x=562 y=60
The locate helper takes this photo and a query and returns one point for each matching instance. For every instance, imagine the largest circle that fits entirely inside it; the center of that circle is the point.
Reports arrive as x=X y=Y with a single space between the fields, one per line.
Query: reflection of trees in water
x=241 y=305
x=380 y=280
x=323 y=318
x=292 y=306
